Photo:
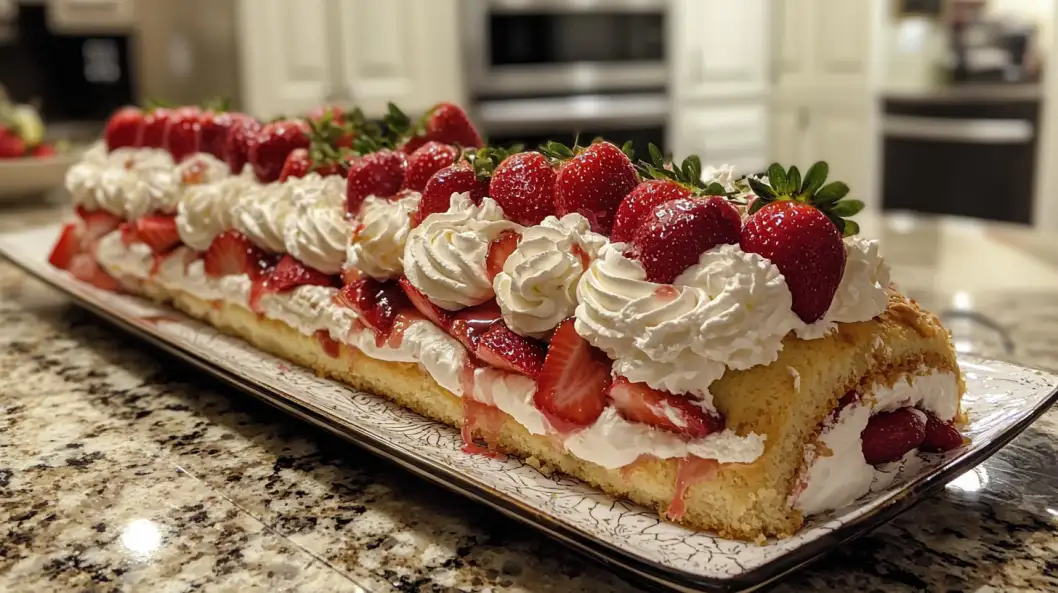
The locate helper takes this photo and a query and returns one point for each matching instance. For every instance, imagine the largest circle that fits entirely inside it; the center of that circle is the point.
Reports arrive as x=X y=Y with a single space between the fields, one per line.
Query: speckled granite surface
x=123 y=470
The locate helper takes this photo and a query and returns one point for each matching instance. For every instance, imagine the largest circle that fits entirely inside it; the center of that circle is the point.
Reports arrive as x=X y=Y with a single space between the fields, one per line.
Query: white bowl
x=20 y=178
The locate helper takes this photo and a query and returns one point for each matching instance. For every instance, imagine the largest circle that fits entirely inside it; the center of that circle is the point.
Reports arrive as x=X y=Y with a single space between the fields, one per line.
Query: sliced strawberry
x=890 y=435
x=158 y=232
x=638 y=402
x=524 y=186
x=640 y=202
x=272 y=144
x=123 y=128
x=677 y=232
x=499 y=250
x=85 y=268
x=471 y=323
x=240 y=138
x=690 y=470
x=290 y=273
x=376 y=174
x=68 y=245
x=571 y=386
x=437 y=315
x=152 y=132
x=448 y=123
x=378 y=304
x=183 y=135
x=97 y=224
x=427 y=160
x=504 y=349
x=940 y=435
x=231 y=252
x=330 y=346
x=593 y=182
x=454 y=179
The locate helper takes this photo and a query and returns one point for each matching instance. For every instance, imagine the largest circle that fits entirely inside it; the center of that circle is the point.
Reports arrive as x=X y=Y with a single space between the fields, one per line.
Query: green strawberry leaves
x=788 y=184
x=688 y=173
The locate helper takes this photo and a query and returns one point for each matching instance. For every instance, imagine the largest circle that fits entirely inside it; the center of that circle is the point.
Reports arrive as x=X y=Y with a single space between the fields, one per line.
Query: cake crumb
x=796 y=378
x=540 y=466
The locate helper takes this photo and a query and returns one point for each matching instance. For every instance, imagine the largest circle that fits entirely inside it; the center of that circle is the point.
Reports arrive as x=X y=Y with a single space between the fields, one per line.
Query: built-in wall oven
x=554 y=69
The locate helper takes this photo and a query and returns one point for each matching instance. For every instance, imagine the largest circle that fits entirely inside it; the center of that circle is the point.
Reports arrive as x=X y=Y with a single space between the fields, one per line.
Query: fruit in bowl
x=22 y=131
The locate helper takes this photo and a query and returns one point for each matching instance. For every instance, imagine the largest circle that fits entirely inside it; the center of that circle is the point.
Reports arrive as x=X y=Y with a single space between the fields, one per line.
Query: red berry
x=68 y=245
x=524 y=186
x=593 y=183
x=499 y=250
x=940 y=435
x=572 y=384
x=448 y=123
x=378 y=303
x=890 y=435
x=427 y=160
x=437 y=315
x=157 y=232
x=97 y=223
x=85 y=268
x=152 y=132
x=183 y=133
x=806 y=247
x=11 y=147
x=296 y=165
x=454 y=179
x=677 y=232
x=215 y=130
x=636 y=206
x=504 y=349
x=240 y=138
x=290 y=273
x=272 y=145
x=123 y=128
x=468 y=325
x=375 y=174
x=638 y=402
x=43 y=151
x=231 y=252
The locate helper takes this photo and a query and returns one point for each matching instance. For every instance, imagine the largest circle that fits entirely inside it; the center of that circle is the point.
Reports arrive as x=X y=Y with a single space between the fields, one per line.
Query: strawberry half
x=427 y=160
x=85 y=268
x=891 y=435
x=454 y=179
x=437 y=315
x=499 y=250
x=231 y=252
x=571 y=386
x=378 y=304
x=638 y=402
x=157 y=232
x=504 y=349
x=592 y=181
x=272 y=144
x=940 y=435
x=296 y=165
x=524 y=186
x=638 y=204
x=290 y=273
x=240 y=138
x=97 y=223
x=123 y=128
x=677 y=232
x=468 y=325
x=152 y=132
x=68 y=245
x=378 y=173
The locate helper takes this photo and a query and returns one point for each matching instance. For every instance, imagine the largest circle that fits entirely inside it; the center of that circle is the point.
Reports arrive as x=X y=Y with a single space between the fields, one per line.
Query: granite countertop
x=121 y=469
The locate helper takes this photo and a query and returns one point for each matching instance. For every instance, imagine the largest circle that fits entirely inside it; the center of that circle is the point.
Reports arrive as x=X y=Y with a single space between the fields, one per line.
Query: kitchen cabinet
x=299 y=54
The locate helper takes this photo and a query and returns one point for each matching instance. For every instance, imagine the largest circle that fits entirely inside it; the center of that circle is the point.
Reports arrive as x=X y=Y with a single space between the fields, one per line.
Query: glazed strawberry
x=445 y=122
x=499 y=250
x=231 y=252
x=637 y=205
x=638 y=402
x=184 y=132
x=677 y=232
x=123 y=128
x=290 y=273
x=11 y=146
x=85 y=268
x=378 y=303
x=375 y=174
x=468 y=325
x=453 y=179
x=216 y=126
x=890 y=435
x=788 y=224
x=152 y=132
x=592 y=181
x=504 y=349
x=272 y=145
x=437 y=315
x=524 y=186
x=427 y=160
x=296 y=165
x=157 y=232
x=97 y=223
x=940 y=435
x=43 y=151
x=241 y=137
x=68 y=245
x=571 y=387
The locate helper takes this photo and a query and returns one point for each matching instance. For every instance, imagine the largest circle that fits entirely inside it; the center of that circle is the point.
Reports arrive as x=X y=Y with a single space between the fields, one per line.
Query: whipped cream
x=128 y=182
x=537 y=288
x=730 y=310
x=208 y=209
x=83 y=179
x=119 y=261
x=445 y=255
x=836 y=479
x=861 y=295
x=376 y=247
x=261 y=215
x=317 y=231
x=201 y=168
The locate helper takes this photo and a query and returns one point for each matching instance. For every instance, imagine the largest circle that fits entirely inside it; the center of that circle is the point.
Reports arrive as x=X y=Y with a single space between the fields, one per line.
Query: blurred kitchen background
x=939 y=106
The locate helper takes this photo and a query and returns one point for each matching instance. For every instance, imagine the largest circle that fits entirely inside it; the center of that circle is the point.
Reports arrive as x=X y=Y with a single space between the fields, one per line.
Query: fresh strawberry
x=290 y=273
x=468 y=325
x=890 y=435
x=448 y=123
x=43 y=151
x=85 y=268
x=97 y=223
x=241 y=137
x=157 y=232
x=333 y=111
x=231 y=252
x=183 y=135
x=152 y=132
x=593 y=181
x=68 y=245
x=124 y=128
x=296 y=165
x=940 y=435
x=427 y=160
x=499 y=250
x=375 y=174
x=571 y=386
x=524 y=186
x=638 y=402
x=437 y=315
x=677 y=232
x=378 y=304
x=272 y=145
x=11 y=146
x=215 y=129
x=454 y=179
x=638 y=204
x=504 y=349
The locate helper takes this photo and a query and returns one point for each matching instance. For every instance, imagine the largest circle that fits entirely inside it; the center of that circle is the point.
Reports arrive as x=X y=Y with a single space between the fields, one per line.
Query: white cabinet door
x=842 y=136
x=286 y=56
x=788 y=141
x=718 y=49
x=404 y=51
x=724 y=134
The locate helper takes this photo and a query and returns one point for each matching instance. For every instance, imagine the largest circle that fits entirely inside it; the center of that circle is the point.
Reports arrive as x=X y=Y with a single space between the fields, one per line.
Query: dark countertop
x=124 y=470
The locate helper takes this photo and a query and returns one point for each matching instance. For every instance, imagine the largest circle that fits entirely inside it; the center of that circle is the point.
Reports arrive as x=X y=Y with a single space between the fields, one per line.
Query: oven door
x=550 y=47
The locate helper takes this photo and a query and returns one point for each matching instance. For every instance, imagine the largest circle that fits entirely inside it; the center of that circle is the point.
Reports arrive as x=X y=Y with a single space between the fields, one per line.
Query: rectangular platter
x=1002 y=400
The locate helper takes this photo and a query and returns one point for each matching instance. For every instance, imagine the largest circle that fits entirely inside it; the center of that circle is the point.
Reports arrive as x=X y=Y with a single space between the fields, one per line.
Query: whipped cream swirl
x=261 y=215
x=377 y=245
x=445 y=255
x=537 y=288
x=201 y=168
x=83 y=180
x=730 y=310
x=862 y=293
x=208 y=210
x=317 y=232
